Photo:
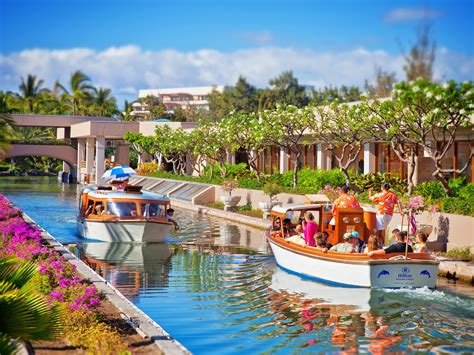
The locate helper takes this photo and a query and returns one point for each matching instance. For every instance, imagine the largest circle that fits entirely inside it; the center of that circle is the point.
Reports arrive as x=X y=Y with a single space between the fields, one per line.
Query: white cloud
x=129 y=68
x=411 y=14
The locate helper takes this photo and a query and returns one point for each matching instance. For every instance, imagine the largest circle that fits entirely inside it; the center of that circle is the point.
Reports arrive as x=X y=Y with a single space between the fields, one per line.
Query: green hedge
x=312 y=181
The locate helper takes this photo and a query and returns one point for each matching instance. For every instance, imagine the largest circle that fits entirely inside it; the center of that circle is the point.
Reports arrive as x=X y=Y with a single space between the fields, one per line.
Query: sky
x=143 y=44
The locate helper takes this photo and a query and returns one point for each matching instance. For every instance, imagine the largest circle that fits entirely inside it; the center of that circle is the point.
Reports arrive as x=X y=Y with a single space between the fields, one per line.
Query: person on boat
x=169 y=216
x=359 y=244
x=421 y=239
x=287 y=228
x=320 y=243
x=276 y=228
x=310 y=229
x=99 y=210
x=372 y=244
x=346 y=246
x=299 y=227
x=386 y=202
x=345 y=200
x=400 y=247
x=325 y=238
x=394 y=231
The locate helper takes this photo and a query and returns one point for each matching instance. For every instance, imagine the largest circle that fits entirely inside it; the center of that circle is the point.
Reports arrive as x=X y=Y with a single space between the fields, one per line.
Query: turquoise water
x=214 y=286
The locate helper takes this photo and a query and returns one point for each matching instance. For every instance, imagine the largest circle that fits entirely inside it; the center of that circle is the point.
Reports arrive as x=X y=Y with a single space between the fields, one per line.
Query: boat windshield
x=153 y=210
x=122 y=209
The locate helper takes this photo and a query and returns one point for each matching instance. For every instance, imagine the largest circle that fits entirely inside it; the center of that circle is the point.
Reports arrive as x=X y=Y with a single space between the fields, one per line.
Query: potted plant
x=271 y=189
x=229 y=200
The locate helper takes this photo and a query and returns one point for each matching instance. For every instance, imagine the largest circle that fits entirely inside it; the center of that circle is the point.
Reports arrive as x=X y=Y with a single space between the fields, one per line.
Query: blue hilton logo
x=405 y=270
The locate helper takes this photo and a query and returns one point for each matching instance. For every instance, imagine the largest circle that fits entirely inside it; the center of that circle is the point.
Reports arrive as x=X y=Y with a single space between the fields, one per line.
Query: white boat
x=347 y=269
x=123 y=216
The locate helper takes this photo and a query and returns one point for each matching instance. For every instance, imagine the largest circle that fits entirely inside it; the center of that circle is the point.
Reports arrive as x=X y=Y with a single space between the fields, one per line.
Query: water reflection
x=130 y=267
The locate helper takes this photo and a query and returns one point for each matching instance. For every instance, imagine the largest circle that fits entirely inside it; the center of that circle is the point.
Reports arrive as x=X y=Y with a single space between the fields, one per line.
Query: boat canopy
x=297 y=207
x=121 y=195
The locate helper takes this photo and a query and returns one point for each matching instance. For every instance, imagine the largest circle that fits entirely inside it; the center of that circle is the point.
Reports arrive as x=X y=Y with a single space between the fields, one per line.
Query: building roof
x=194 y=90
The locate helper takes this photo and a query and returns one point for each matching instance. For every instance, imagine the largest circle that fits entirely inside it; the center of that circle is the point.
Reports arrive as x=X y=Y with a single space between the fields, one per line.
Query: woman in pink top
x=310 y=229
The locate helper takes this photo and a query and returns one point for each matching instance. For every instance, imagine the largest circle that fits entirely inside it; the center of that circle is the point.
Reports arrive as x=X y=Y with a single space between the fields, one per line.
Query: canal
x=214 y=286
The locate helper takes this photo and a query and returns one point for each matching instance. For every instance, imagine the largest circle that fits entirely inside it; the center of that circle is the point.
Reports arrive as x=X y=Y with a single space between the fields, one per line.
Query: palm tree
x=26 y=314
x=80 y=90
x=30 y=90
x=103 y=103
x=127 y=112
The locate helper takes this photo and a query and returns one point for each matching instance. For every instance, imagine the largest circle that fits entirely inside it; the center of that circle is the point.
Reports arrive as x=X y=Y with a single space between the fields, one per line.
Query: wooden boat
x=347 y=269
x=128 y=215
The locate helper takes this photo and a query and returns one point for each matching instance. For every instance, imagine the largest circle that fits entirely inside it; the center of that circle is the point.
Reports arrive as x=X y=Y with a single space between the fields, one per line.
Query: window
x=153 y=210
x=122 y=209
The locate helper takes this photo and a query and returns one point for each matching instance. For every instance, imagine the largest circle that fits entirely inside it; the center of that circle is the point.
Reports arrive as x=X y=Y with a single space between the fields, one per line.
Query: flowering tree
x=244 y=131
x=345 y=129
x=285 y=128
x=430 y=115
x=142 y=145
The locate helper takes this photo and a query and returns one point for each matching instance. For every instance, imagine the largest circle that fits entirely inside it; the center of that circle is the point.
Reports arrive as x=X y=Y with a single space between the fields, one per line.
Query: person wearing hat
x=347 y=246
x=359 y=244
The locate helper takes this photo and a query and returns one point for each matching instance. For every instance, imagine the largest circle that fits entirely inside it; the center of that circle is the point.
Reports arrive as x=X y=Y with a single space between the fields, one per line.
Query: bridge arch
x=65 y=153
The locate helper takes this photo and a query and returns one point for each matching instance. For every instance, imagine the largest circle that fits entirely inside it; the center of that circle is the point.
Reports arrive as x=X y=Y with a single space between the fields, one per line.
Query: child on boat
x=371 y=244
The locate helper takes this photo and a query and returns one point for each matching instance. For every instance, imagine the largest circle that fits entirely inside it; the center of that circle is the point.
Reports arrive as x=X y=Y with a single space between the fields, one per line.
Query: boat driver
x=169 y=216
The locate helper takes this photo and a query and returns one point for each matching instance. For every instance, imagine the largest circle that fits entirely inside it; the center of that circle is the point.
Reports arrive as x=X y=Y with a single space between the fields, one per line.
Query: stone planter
x=265 y=206
x=230 y=201
x=425 y=228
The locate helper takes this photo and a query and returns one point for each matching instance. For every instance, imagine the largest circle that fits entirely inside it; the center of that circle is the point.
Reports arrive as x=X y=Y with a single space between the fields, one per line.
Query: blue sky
x=178 y=43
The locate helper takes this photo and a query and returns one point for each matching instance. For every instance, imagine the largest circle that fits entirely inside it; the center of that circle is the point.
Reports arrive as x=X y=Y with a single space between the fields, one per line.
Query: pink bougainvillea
x=59 y=278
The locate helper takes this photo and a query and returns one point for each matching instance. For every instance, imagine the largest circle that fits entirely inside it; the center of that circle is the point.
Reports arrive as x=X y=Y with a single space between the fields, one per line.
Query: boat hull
x=369 y=273
x=124 y=231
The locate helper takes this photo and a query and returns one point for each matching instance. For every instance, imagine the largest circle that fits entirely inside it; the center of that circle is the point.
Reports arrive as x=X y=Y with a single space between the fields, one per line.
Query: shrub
x=458 y=206
x=467 y=192
x=456 y=184
x=147 y=168
x=246 y=207
x=463 y=254
x=375 y=180
x=229 y=185
x=430 y=190
x=249 y=183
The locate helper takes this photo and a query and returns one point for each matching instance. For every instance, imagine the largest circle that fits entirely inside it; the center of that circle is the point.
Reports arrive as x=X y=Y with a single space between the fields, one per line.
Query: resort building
x=185 y=98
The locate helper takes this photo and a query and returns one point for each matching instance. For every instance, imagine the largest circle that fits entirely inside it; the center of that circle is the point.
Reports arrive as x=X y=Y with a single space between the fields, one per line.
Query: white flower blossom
x=462 y=111
x=429 y=94
x=416 y=89
x=438 y=97
x=446 y=85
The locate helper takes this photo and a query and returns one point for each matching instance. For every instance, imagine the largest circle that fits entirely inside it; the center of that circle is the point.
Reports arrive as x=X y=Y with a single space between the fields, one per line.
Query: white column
x=369 y=158
x=283 y=161
x=81 y=143
x=99 y=159
x=321 y=161
x=90 y=142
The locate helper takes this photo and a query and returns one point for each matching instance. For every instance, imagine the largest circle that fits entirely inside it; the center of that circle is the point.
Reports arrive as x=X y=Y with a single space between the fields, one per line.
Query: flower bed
x=59 y=282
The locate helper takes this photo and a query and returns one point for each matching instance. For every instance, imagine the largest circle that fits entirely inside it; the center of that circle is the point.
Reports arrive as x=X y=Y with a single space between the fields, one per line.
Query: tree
x=419 y=62
x=242 y=97
x=330 y=94
x=6 y=131
x=287 y=90
x=78 y=92
x=141 y=145
x=244 y=131
x=345 y=129
x=30 y=90
x=126 y=114
x=285 y=128
x=388 y=123
x=103 y=103
x=384 y=82
x=432 y=114
x=219 y=107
